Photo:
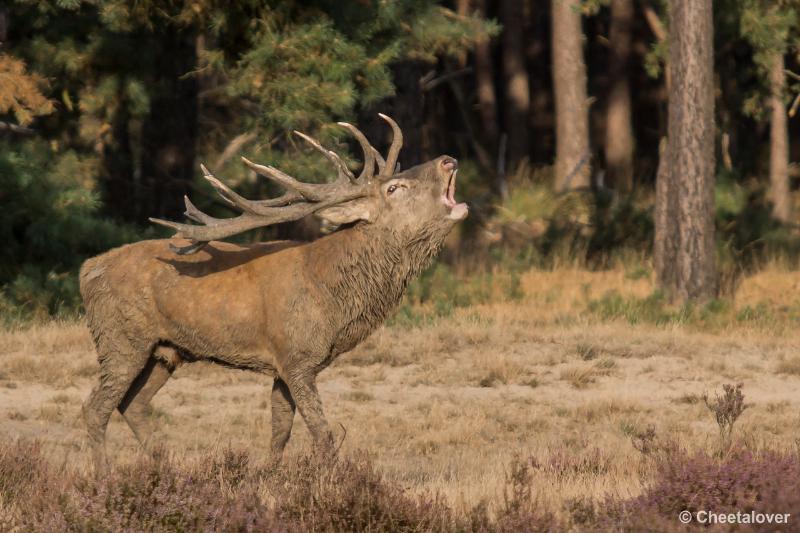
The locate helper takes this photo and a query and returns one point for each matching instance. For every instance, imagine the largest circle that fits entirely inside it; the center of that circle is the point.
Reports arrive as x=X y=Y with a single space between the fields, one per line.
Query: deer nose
x=449 y=163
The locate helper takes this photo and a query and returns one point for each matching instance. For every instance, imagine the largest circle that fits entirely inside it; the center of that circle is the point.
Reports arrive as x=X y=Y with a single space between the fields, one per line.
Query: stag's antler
x=299 y=200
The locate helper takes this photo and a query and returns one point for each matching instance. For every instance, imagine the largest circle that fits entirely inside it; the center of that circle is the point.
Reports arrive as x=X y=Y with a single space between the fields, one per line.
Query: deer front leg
x=303 y=389
x=283 y=408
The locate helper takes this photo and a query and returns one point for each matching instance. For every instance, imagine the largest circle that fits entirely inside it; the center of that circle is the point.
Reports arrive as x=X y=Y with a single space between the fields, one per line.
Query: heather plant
x=219 y=492
x=726 y=408
x=765 y=482
x=150 y=494
x=650 y=444
x=29 y=486
x=348 y=494
x=228 y=491
x=520 y=510
x=645 y=441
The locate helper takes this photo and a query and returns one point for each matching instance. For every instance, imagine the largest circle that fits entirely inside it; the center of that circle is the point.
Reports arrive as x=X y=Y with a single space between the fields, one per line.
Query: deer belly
x=351 y=336
x=211 y=323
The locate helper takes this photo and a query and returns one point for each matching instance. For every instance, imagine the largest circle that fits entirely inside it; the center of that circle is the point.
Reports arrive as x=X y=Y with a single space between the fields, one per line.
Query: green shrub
x=440 y=290
x=655 y=309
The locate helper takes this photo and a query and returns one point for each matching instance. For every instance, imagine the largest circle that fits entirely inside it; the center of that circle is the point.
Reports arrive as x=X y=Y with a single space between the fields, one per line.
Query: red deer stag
x=285 y=309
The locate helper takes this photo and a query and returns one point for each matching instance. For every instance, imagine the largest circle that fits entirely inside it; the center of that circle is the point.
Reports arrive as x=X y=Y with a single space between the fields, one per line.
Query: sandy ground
x=445 y=407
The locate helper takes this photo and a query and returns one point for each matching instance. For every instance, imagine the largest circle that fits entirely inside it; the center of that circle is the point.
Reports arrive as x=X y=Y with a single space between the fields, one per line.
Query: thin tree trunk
x=518 y=99
x=572 y=169
x=539 y=56
x=657 y=27
x=779 y=143
x=620 y=142
x=666 y=241
x=684 y=246
x=3 y=26
x=487 y=98
x=122 y=194
x=484 y=74
x=407 y=106
x=170 y=129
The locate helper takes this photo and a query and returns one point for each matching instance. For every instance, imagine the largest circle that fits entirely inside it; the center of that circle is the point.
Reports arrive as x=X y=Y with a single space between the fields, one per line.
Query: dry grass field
x=567 y=374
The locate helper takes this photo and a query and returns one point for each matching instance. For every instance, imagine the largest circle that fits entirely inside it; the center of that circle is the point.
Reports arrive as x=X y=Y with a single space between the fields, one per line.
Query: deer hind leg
x=118 y=369
x=135 y=405
x=283 y=408
x=304 y=391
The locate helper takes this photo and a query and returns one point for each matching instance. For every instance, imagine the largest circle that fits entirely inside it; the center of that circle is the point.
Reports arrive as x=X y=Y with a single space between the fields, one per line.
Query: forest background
x=557 y=111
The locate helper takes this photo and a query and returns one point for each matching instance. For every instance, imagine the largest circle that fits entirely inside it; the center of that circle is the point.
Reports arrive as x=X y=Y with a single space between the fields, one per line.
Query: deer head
x=417 y=202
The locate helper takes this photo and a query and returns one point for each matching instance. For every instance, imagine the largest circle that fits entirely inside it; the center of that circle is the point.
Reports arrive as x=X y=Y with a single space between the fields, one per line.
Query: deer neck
x=369 y=268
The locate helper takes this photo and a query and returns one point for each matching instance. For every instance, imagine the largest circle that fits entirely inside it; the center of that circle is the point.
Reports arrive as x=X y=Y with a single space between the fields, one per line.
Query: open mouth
x=457 y=210
x=450 y=192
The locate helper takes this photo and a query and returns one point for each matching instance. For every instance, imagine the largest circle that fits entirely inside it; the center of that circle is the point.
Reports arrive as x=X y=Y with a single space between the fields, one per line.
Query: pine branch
x=15 y=128
x=654 y=22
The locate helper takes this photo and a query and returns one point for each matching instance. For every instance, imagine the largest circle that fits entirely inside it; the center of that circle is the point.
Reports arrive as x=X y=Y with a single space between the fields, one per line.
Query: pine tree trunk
x=487 y=101
x=666 y=240
x=572 y=169
x=170 y=129
x=779 y=143
x=122 y=196
x=684 y=245
x=407 y=106
x=619 y=144
x=518 y=100
x=484 y=74
x=539 y=56
x=3 y=26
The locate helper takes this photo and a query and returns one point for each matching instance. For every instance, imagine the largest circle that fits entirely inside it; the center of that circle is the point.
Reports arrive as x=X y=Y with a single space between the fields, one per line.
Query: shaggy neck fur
x=373 y=267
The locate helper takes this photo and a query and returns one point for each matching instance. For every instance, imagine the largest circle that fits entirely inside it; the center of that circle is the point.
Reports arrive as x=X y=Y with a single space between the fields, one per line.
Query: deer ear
x=361 y=209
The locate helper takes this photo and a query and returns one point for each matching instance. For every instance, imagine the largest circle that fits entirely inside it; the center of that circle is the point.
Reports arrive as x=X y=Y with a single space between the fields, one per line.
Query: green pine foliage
x=48 y=225
x=769 y=27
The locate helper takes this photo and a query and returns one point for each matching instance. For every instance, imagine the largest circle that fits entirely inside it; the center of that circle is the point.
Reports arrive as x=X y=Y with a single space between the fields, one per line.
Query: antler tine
x=308 y=191
x=252 y=206
x=332 y=156
x=224 y=191
x=219 y=228
x=195 y=214
x=394 y=149
x=379 y=160
x=369 y=152
x=301 y=199
x=284 y=199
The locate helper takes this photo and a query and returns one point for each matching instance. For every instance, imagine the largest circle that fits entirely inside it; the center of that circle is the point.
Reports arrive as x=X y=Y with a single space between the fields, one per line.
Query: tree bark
x=684 y=241
x=518 y=100
x=619 y=145
x=487 y=101
x=779 y=143
x=3 y=26
x=657 y=27
x=170 y=129
x=484 y=74
x=572 y=168
x=540 y=74
x=117 y=174
x=407 y=106
x=666 y=241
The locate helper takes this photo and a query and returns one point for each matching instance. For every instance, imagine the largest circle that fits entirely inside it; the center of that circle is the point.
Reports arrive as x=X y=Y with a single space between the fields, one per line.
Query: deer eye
x=391 y=189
